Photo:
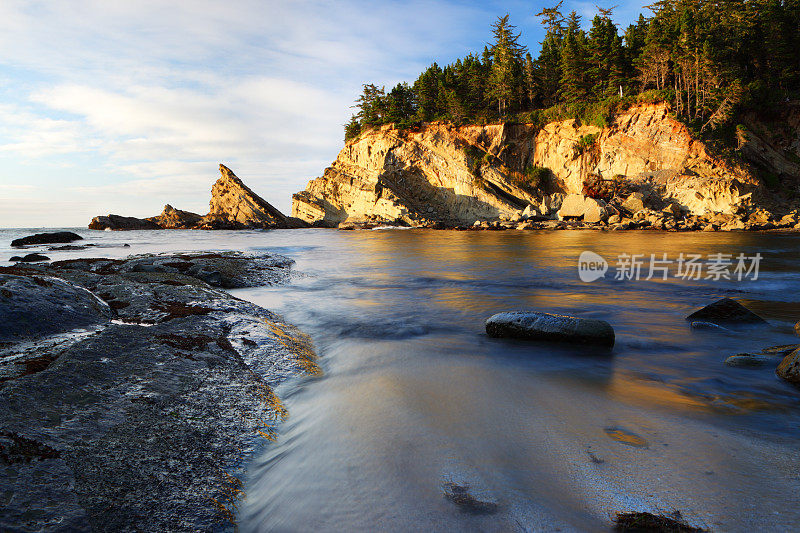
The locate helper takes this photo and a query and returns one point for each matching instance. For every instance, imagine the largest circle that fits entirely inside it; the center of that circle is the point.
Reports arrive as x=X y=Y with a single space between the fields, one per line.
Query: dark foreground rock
x=789 y=369
x=549 y=327
x=120 y=223
x=29 y=258
x=54 y=237
x=639 y=522
x=141 y=419
x=726 y=312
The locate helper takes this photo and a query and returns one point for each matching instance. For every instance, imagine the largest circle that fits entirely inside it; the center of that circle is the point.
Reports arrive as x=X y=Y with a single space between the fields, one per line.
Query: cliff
x=233 y=205
x=443 y=174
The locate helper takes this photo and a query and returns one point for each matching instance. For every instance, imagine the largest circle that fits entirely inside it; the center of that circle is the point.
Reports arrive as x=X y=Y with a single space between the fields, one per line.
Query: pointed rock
x=726 y=311
x=172 y=218
x=233 y=205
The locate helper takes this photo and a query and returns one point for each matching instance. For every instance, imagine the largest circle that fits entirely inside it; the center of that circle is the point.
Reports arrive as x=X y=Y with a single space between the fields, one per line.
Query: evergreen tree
x=575 y=80
x=506 y=69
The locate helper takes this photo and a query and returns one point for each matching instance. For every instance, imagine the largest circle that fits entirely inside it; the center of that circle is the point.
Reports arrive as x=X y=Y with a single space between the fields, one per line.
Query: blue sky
x=122 y=107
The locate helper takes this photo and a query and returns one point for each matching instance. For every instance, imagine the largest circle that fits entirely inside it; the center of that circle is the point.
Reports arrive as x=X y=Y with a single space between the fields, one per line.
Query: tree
x=506 y=69
x=575 y=84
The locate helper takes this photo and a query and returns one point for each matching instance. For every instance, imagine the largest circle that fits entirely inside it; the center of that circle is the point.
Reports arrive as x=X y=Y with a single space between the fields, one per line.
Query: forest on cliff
x=711 y=60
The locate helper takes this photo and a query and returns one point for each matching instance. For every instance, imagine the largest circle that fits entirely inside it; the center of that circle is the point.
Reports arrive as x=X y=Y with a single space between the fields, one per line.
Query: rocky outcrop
x=550 y=327
x=726 y=312
x=120 y=223
x=172 y=218
x=140 y=419
x=233 y=206
x=46 y=238
x=443 y=174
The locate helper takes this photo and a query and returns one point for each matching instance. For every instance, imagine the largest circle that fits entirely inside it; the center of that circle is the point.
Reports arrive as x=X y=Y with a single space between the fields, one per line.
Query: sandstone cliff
x=457 y=175
x=233 y=206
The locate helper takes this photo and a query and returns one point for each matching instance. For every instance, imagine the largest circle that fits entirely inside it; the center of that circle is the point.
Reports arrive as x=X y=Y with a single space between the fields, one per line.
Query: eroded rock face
x=550 y=327
x=235 y=205
x=456 y=175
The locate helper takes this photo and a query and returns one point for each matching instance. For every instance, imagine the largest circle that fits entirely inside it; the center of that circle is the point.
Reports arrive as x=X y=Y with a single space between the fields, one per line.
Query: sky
x=123 y=106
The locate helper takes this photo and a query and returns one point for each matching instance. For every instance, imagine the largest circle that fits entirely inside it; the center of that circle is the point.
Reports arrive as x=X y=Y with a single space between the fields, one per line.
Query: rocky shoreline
x=135 y=389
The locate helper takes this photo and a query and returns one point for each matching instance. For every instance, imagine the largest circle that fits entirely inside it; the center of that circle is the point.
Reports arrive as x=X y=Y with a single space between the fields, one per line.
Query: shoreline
x=176 y=379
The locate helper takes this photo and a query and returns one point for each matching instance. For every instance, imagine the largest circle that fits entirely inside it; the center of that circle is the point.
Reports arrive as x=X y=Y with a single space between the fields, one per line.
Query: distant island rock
x=233 y=205
x=53 y=237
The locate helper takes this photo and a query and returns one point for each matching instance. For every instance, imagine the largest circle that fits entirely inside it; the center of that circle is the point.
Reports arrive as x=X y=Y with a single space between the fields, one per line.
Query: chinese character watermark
x=713 y=267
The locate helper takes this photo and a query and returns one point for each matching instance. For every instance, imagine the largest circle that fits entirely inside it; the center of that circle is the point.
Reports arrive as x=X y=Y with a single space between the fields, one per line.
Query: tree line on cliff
x=711 y=59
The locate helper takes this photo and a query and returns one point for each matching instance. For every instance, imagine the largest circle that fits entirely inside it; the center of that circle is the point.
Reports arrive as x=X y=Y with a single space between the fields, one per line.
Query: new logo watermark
x=592 y=266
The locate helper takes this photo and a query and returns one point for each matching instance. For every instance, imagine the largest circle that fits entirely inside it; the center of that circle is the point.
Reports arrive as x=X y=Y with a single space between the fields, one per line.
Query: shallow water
x=415 y=396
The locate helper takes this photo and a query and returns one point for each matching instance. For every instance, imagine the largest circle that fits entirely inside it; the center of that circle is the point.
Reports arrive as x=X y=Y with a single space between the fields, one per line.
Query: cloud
x=126 y=106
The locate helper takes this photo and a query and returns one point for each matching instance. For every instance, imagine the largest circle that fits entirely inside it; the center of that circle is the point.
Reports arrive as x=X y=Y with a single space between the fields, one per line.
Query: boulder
x=172 y=218
x=550 y=327
x=797 y=329
x=634 y=202
x=120 y=223
x=36 y=306
x=47 y=238
x=578 y=206
x=789 y=369
x=726 y=312
x=29 y=258
x=747 y=360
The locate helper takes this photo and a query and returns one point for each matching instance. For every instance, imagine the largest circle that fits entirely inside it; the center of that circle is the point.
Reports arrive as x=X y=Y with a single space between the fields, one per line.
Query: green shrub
x=585 y=143
x=537 y=177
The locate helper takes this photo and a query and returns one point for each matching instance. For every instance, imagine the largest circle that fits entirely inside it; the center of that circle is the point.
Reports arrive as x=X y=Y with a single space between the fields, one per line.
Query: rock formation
x=120 y=223
x=439 y=173
x=233 y=206
x=172 y=218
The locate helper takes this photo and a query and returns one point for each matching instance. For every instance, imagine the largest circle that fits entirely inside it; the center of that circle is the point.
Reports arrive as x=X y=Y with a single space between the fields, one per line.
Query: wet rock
x=29 y=258
x=647 y=522
x=726 y=312
x=780 y=350
x=120 y=223
x=47 y=238
x=466 y=501
x=709 y=326
x=138 y=428
x=797 y=329
x=34 y=306
x=550 y=327
x=789 y=369
x=747 y=360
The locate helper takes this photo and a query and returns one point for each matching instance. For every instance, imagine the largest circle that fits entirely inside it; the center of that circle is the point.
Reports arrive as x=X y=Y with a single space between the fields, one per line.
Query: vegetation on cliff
x=713 y=60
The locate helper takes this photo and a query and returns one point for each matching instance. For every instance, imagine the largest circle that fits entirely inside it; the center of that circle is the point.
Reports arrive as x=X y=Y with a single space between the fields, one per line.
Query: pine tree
x=506 y=69
x=575 y=83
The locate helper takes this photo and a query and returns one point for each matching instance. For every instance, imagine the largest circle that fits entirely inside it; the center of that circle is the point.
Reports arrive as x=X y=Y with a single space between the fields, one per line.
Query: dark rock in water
x=30 y=258
x=54 y=237
x=747 y=360
x=549 y=327
x=707 y=326
x=133 y=428
x=726 y=312
x=68 y=247
x=789 y=369
x=782 y=350
x=120 y=223
x=34 y=306
x=466 y=501
x=650 y=523
x=797 y=328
